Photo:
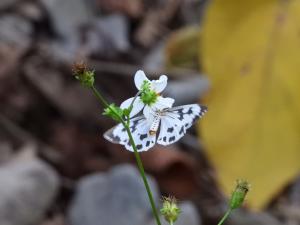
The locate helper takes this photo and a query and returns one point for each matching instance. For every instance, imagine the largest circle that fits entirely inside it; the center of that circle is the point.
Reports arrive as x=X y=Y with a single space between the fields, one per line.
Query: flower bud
x=170 y=210
x=85 y=76
x=113 y=112
x=239 y=194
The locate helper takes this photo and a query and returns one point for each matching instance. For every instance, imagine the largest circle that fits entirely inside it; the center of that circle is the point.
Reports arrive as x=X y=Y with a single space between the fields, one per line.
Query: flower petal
x=149 y=114
x=137 y=105
x=163 y=103
x=139 y=79
x=160 y=84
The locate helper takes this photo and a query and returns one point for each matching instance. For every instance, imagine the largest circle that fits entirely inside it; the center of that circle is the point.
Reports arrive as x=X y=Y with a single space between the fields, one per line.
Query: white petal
x=137 y=105
x=163 y=103
x=149 y=114
x=139 y=79
x=160 y=84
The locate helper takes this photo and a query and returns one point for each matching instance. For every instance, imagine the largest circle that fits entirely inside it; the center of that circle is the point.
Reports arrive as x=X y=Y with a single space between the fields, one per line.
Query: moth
x=163 y=127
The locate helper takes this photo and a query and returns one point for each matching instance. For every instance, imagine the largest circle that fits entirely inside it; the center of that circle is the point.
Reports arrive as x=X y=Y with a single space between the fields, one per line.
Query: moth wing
x=171 y=130
x=177 y=120
x=139 y=128
x=188 y=114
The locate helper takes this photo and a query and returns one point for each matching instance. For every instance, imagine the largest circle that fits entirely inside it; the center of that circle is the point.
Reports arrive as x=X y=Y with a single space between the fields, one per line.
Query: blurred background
x=241 y=59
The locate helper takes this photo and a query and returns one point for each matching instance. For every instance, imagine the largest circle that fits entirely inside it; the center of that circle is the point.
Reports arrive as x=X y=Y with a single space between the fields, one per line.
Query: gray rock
x=15 y=40
x=116 y=29
x=7 y=3
x=15 y=31
x=26 y=191
x=116 y=197
x=67 y=16
x=187 y=90
x=108 y=36
x=155 y=59
x=241 y=217
x=189 y=214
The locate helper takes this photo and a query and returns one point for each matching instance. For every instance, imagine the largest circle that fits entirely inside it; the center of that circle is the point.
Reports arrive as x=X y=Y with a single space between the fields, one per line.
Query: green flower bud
x=85 y=76
x=148 y=96
x=126 y=112
x=170 y=210
x=239 y=194
x=113 y=112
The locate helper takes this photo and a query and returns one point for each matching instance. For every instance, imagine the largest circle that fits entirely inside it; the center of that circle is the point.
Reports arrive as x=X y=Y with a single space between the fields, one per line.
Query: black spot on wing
x=181 y=114
x=190 y=111
x=172 y=138
x=143 y=136
x=139 y=147
x=147 y=143
x=195 y=118
x=116 y=138
x=164 y=138
x=133 y=126
x=181 y=130
x=170 y=129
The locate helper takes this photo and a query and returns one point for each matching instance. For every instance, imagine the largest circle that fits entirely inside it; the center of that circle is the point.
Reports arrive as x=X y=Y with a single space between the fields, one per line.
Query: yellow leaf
x=251 y=52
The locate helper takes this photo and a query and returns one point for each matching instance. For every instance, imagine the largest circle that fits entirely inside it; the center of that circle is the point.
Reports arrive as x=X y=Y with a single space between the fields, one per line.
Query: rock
x=108 y=36
x=188 y=90
x=30 y=10
x=7 y=3
x=15 y=39
x=241 y=217
x=116 y=197
x=6 y=150
x=67 y=16
x=188 y=215
x=116 y=29
x=15 y=31
x=155 y=59
x=27 y=188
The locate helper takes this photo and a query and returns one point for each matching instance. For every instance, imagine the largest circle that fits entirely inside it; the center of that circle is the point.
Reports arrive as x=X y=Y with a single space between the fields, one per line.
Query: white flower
x=157 y=102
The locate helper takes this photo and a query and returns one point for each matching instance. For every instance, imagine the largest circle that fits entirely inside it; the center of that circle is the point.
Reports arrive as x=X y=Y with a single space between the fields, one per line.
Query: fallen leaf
x=251 y=53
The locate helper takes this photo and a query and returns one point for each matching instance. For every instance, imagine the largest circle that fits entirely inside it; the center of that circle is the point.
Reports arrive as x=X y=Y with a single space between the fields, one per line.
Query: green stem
x=142 y=172
x=225 y=216
x=99 y=96
x=136 y=154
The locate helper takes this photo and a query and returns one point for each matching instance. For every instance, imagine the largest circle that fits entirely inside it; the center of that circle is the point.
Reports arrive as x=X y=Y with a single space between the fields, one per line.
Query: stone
x=28 y=187
x=15 y=40
x=116 y=197
x=4 y=4
x=242 y=217
x=67 y=16
x=155 y=59
x=188 y=90
x=108 y=36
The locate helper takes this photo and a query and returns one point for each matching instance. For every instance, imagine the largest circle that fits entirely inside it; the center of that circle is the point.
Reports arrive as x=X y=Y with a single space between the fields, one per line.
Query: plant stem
x=99 y=96
x=142 y=172
x=136 y=154
x=225 y=216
